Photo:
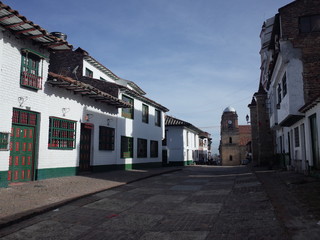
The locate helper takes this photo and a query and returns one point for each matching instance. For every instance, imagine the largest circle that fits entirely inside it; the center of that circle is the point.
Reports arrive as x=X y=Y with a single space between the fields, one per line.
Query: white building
x=60 y=122
x=181 y=144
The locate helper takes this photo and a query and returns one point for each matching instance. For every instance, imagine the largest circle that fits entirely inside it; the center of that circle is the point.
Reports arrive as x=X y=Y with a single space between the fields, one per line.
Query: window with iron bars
x=62 y=133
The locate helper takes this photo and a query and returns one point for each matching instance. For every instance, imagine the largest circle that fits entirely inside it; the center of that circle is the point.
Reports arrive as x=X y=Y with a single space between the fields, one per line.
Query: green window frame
x=142 y=148
x=154 y=149
x=62 y=134
x=106 y=138
x=126 y=147
x=4 y=141
x=145 y=113
x=31 y=76
x=89 y=73
x=157 y=114
x=128 y=112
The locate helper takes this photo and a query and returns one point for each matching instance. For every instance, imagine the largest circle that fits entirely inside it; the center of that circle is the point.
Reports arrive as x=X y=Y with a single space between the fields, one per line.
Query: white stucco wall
x=137 y=129
x=97 y=74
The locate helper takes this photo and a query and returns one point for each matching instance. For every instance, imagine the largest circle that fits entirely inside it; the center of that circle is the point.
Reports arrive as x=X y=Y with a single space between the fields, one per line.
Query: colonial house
x=181 y=144
x=290 y=67
x=235 y=139
x=57 y=124
x=138 y=130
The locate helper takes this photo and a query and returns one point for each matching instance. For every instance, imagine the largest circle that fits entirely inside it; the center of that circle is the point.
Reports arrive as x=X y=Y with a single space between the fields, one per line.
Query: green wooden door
x=21 y=154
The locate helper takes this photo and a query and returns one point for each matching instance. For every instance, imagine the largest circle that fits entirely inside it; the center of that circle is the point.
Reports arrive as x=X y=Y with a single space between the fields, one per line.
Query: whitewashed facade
x=182 y=142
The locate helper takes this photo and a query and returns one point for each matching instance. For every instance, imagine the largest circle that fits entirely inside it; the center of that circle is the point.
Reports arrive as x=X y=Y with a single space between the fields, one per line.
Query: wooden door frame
x=36 y=137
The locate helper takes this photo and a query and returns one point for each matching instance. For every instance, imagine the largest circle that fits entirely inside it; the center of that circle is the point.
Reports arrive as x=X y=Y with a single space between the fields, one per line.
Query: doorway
x=85 y=147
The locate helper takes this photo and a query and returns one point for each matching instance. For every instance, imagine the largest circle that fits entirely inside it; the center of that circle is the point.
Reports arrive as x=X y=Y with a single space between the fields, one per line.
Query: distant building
x=235 y=143
x=181 y=143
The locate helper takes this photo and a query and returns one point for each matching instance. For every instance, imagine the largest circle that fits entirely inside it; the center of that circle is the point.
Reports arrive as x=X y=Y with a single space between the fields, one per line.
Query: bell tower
x=229 y=143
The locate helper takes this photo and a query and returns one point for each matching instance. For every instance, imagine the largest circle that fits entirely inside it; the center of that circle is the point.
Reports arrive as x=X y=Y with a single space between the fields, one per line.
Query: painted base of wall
x=181 y=163
x=72 y=171
x=56 y=172
x=3 y=179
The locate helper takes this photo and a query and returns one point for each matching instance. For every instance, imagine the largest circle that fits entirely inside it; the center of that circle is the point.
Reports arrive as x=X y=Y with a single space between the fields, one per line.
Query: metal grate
x=62 y=133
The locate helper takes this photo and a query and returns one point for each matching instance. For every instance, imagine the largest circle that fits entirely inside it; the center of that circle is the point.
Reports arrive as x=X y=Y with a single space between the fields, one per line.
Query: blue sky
x=196 y=57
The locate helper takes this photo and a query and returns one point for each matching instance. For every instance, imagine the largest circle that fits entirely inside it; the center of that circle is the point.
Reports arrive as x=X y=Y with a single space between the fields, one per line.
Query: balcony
x=31 y=80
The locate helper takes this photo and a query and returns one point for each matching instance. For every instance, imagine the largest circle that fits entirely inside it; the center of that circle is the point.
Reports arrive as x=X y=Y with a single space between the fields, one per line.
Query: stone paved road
x=196 y=203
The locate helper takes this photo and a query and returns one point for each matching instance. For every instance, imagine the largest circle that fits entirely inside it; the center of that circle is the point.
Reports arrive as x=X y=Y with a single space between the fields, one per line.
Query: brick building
x=235 y=143
x=290 y=70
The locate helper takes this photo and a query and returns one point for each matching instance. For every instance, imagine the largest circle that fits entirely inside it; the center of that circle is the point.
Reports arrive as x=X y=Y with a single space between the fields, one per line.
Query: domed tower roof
x=229 y=109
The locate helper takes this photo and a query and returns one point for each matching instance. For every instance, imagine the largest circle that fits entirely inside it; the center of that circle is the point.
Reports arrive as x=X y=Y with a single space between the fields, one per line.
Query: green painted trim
x=34 y=52
x=3 y=179
x=56 y=172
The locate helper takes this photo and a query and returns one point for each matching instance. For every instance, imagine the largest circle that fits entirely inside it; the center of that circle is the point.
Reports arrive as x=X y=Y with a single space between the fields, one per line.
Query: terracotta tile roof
x=85 y=90
x=134 y=94
x=171 y=121
x=19 y=25
x=310 y=104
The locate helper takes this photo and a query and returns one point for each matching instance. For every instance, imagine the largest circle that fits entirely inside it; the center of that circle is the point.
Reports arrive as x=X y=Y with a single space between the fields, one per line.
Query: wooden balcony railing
x=31 y=80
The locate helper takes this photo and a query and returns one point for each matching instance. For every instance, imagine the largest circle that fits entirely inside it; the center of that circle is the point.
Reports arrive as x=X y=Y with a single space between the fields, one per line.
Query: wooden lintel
x=14 y=24
x=35 y=36
x=6 y=17
x=25 y=30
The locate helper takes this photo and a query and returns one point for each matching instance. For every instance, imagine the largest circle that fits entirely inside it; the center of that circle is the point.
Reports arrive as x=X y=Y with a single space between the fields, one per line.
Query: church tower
x=230 y=140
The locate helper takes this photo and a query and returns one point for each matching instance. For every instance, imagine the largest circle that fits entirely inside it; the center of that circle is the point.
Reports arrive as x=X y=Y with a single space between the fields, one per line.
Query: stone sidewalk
x=24 y=200
x=296 y=200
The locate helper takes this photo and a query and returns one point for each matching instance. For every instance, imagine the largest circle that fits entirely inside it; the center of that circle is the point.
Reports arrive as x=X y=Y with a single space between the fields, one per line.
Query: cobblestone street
x=199 y=202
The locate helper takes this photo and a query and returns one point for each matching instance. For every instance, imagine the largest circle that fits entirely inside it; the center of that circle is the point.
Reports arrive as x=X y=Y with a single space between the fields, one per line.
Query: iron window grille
x=126 y=147
x=24 y=117
x=62 y=133
x=142 y=148
x=154 y=149
x=31 y=74
x=106 y=138
x=128 y=112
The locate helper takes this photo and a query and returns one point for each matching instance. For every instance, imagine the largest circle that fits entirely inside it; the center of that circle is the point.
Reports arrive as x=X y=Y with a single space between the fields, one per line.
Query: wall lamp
x=109 y=121
x=88 y=116
x=248 y=118
x=22 y=99
x=64 y=111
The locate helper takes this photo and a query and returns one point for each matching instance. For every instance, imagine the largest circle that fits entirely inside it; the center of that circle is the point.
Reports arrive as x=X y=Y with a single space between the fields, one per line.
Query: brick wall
x=308 y=42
